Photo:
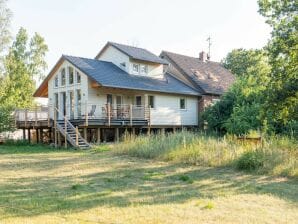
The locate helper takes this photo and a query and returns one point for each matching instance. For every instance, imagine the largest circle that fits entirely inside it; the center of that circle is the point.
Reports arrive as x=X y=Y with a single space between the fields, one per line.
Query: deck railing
x=86 y=112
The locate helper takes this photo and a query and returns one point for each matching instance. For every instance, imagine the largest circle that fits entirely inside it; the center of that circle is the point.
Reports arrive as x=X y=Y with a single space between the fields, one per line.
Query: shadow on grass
x=128 y=182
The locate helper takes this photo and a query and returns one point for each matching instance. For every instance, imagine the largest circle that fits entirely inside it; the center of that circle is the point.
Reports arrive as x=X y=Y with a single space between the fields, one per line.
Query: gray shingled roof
x=109 y=75
x=137 y=53
x=211 y=77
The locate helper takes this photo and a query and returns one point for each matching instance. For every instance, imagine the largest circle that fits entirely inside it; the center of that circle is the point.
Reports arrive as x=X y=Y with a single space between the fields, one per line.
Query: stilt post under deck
x=24 y=134
x=29 y=135
x=117 y=134
x=130 y=114
x=65 y=132
x=98 y=135
x=37 y=135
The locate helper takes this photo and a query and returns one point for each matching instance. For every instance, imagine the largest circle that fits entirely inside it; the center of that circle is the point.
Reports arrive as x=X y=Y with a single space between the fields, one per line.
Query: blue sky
x=81 y=28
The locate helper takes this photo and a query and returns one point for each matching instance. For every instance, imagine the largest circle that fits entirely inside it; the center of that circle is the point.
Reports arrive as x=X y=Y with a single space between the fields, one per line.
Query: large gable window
x=70 y=75
x=78 y=77
x=135 y=68
x=63 y=78
x=56 y=81
x=143 y=69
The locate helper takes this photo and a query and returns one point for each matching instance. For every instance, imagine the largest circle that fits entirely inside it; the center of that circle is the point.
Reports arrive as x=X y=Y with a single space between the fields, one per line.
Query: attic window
x=78 y=77
x=143 y=69
x=123 y=64
x=135 y=68
x=199 y=75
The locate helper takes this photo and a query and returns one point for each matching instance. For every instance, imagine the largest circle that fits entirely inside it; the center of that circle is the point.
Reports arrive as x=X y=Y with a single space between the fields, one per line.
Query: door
x=79 y=106
x=71 y=105
x=63 y=99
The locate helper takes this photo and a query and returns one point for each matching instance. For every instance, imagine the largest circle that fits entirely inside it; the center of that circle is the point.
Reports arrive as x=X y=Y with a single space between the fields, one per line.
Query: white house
x=128 y=88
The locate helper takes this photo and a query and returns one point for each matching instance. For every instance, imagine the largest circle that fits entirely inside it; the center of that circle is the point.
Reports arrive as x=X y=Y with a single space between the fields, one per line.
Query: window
x=79 y=99
x=151 y=101
x=70 y=75
x=135 y=68
x=138 y=100
x=78 y=77
x=110 y=98
x=71 y=105
x=144 y=69
x=56 y=81
x=182 y=103
x=63 y=77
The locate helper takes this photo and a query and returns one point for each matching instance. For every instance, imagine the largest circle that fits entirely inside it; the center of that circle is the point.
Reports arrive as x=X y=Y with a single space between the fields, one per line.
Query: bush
x=252 y=160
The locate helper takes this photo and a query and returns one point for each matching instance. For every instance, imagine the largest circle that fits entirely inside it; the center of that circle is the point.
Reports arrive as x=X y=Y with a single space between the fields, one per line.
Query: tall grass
x=276 y=155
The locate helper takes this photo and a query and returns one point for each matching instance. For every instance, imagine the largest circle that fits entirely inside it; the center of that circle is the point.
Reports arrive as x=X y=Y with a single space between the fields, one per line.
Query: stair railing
x=67 y=123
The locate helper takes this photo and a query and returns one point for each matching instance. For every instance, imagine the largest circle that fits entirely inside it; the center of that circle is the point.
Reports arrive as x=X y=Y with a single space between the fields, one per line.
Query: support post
x=163 y=131
x=149 y=120
x=26 y=117
x=109 y=114
x=133 y=131
x=55 y=137
x=65 y=132
x=35 y=116
x=77 y=136
x=98 y=135
x=117 y=134
x=37 y=135
x=59 y=138
x=86 y=114
x=29 y=135
x=174 y=130
x=49 y=116
x=24 y=134
x=130 y=114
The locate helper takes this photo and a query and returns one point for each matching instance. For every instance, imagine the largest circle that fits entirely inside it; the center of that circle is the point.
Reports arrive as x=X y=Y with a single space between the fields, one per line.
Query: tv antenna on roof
x=209 y=46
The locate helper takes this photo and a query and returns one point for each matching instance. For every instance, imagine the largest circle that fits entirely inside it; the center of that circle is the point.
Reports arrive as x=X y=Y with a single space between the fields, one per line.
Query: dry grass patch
x=42 y=185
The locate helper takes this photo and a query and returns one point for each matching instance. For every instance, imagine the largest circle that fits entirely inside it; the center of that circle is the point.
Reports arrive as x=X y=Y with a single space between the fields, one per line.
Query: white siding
x=83 y=86
x=115 y=56
x=167 y=111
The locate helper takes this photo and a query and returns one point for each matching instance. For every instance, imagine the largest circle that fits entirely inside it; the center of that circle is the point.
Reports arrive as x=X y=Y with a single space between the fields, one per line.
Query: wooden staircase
x=70 y=133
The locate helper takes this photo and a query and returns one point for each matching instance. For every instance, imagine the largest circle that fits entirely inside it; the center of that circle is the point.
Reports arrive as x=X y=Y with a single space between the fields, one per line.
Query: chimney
x=203 y=56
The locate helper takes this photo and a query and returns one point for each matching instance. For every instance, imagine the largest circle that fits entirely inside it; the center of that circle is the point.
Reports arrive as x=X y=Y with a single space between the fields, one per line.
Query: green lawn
x=43 y=185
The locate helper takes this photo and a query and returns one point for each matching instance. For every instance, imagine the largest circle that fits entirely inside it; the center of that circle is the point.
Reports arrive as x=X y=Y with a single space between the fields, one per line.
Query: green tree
x=281 y=104
x=238 y=111
x=23 y=65
x=5 y=18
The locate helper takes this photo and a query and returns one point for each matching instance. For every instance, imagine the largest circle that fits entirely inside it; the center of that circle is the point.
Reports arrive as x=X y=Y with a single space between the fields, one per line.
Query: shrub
x=251 y=160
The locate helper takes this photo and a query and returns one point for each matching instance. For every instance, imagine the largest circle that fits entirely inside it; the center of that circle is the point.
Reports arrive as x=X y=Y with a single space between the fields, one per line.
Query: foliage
x=251 y=160
x=239 y=61
x=281 y=104
x=238 y=111
x=5 y=18
x=23 y=64
x=279 y=154
x=6 y=122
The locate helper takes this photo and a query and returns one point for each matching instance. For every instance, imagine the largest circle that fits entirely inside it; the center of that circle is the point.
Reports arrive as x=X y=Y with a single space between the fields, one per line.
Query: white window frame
x=56 y=78
x=62 y=76
x=185 y=103
x=151 y=106
x=138 y=66
x=76 y=77
x=73 y=73
x=146 y=69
